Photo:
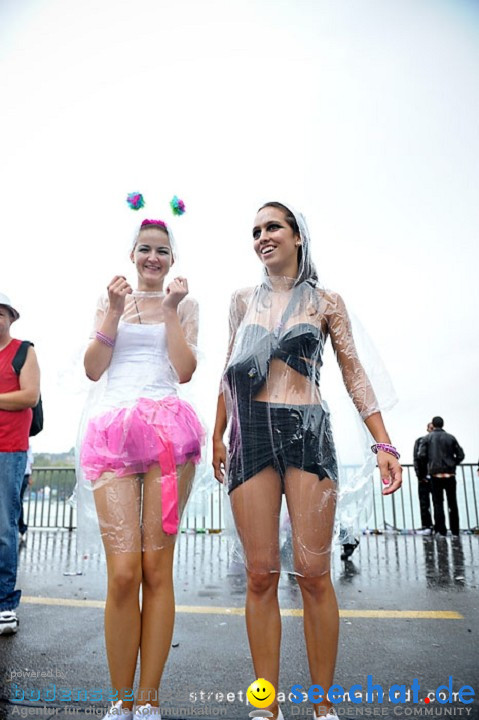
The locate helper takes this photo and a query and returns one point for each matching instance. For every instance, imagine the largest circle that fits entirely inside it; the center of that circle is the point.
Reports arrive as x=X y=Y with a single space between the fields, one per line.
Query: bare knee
x=158 y=569
x=124 y=580
x=263 y=584
x=317 y=587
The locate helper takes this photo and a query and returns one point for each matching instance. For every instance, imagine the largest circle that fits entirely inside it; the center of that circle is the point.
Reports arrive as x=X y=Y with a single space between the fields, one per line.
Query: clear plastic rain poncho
x=279 y=427
x=139 y=442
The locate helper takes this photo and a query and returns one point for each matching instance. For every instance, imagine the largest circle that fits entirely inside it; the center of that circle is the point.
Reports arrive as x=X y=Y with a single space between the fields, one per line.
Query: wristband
x=101 y=337
x=385 y=447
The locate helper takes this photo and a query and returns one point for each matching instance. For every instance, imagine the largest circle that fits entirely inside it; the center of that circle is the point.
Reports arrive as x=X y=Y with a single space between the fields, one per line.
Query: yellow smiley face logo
x=261 y=693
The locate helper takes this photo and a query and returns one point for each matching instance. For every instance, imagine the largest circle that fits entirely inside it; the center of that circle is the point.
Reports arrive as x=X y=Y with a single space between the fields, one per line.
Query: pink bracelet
x=101 y=337
x=385 y=447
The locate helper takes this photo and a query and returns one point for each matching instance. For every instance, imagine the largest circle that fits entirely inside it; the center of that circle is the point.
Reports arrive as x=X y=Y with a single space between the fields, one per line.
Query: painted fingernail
x=386 y=481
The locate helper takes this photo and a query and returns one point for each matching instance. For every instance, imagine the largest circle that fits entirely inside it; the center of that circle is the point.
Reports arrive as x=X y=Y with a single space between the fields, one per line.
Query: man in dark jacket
x=442 y=453
x=424 y=488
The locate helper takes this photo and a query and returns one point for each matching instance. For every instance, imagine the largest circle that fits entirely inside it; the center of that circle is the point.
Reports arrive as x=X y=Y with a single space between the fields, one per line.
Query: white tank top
x=140 y=366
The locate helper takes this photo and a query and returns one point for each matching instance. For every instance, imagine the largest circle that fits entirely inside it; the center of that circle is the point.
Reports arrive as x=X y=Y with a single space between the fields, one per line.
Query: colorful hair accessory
x=159 y=223
x=177 y=206
x=135 y=200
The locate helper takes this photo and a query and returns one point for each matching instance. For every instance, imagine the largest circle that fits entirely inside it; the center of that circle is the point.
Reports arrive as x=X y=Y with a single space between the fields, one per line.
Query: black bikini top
x=299 y=346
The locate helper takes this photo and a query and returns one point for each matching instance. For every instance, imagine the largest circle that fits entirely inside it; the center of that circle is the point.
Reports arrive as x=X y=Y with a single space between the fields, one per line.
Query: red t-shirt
x=14 y=424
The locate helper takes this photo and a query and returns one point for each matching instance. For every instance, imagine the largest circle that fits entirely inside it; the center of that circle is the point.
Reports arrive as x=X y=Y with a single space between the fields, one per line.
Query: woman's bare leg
x=311 y=505
x=118 y=507
x=256 y=507
x=158 y=605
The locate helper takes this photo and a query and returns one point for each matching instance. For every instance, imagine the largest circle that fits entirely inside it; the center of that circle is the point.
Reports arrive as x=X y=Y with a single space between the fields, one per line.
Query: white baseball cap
x=4 y=300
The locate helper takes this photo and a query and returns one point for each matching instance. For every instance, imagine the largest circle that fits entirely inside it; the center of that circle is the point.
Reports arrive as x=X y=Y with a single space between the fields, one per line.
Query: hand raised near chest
x=118 y=289
x=175 y=292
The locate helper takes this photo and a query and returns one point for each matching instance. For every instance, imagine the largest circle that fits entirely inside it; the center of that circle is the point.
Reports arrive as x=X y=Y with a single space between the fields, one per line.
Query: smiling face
x=261 y=693
x=153 y=258
x=275 y=242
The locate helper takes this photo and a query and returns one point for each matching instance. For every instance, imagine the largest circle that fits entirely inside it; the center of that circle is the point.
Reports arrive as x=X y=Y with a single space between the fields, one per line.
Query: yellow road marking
x=288 y=612
x=66 y=602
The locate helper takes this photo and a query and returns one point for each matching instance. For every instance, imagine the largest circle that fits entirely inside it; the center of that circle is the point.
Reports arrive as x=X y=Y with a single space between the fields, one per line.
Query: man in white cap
x=18 y=394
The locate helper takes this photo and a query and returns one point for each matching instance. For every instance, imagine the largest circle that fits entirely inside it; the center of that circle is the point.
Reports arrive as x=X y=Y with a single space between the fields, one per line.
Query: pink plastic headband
x=159 y=223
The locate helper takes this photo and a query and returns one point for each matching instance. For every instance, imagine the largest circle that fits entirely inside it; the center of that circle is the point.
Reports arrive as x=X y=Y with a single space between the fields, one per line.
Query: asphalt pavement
x=409 y=612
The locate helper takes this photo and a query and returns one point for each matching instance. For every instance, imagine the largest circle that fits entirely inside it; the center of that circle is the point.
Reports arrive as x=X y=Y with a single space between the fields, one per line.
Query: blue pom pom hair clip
x=135 y=200
x=177 y=206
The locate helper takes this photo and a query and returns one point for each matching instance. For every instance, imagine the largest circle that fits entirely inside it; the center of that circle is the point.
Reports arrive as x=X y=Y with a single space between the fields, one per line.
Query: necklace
x=137 y=311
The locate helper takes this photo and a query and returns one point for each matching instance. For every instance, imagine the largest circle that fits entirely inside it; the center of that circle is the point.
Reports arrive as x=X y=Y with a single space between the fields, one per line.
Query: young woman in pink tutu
x=139 y=452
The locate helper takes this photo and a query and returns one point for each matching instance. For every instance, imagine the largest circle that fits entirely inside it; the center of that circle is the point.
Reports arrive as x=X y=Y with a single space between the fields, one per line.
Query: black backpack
x=17 y=364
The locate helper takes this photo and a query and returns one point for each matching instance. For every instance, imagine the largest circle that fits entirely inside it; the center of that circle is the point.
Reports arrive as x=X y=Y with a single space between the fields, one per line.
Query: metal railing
x=47 y=505
x=46 y=500
x=400 y=511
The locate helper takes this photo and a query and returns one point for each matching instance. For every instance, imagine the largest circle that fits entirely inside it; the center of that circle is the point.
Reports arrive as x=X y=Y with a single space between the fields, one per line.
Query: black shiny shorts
x=264 y=434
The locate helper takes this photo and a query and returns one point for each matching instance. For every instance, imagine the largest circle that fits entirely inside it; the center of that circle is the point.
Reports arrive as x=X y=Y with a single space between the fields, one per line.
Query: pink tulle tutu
x=127 y=441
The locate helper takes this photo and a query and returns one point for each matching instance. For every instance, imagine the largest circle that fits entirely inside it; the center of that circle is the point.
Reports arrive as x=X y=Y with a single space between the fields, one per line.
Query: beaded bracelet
x=101 y=337
x=385 y=447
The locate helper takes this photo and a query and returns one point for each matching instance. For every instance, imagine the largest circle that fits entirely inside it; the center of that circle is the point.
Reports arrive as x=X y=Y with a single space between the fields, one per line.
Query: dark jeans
x=22 y=525
x=424 y=489
x=12 y=471
x=439 y=485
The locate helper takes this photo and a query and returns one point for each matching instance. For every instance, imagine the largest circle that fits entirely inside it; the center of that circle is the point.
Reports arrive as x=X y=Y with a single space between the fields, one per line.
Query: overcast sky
x=363 y=115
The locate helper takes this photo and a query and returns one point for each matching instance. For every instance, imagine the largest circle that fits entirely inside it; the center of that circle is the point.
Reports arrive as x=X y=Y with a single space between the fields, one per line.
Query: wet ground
x=409 y=610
